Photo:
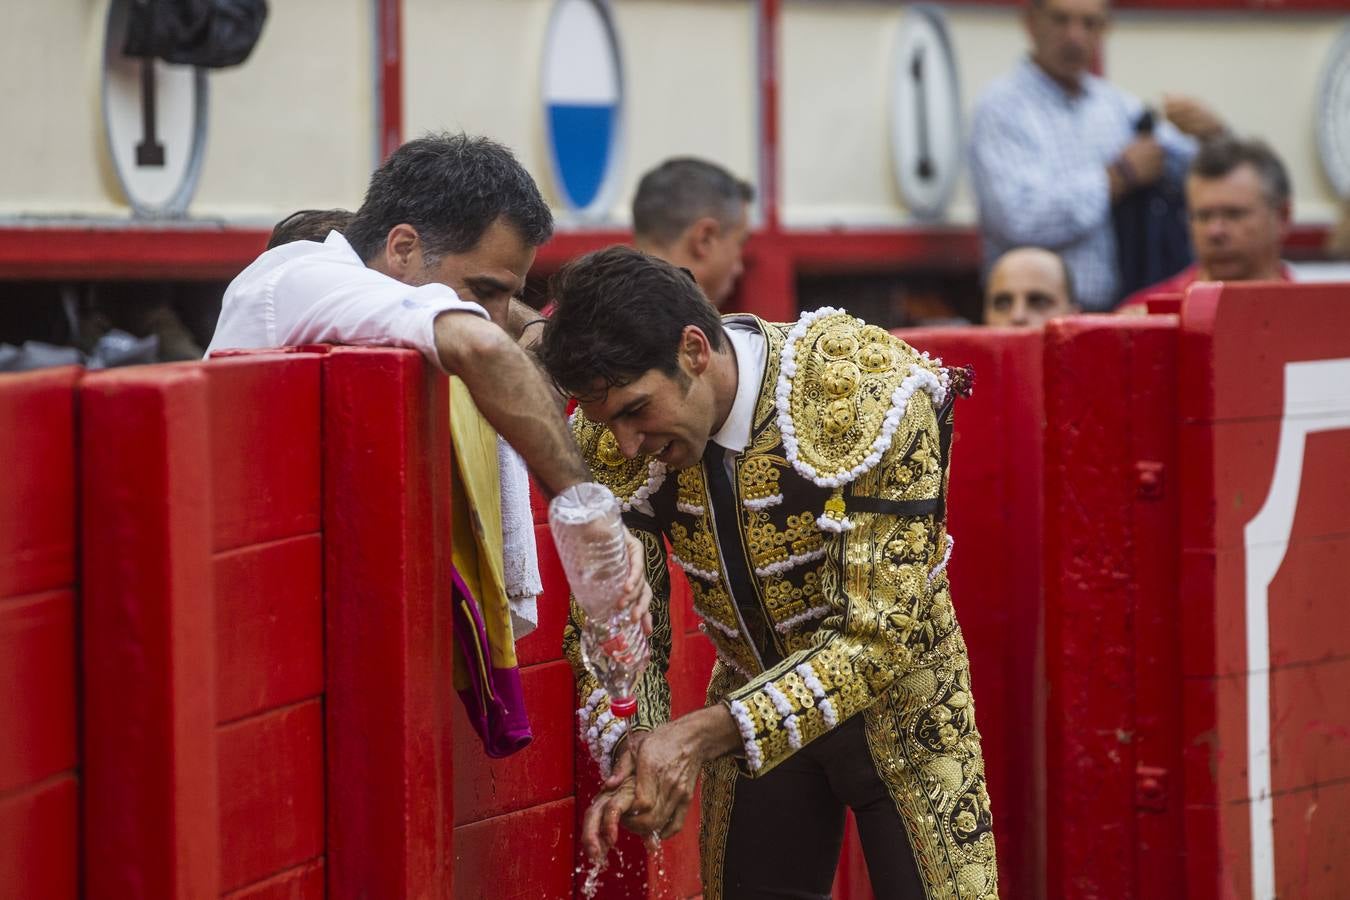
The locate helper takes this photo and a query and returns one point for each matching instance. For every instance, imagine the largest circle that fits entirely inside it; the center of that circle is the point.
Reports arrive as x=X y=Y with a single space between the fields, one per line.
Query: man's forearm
x=511 y=393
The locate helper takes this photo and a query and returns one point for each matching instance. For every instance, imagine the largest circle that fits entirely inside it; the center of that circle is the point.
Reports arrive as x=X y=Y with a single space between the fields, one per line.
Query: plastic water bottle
x=589 y=535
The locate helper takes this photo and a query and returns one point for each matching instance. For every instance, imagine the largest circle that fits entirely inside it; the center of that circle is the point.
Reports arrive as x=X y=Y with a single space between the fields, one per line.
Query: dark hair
x=679 y=192
x=309 y=225
x=619 y=314
x=1219 y=156
x=451 y=188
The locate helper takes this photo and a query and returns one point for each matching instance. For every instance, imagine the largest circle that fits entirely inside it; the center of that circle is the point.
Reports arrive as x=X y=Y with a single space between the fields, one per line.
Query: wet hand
x=668 y=764
x=600 y=826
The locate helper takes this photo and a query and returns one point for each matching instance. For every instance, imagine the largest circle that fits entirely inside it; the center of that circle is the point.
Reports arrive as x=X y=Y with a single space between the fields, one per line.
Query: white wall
x=836 y=68
x=290 y=128
x=688 y=66
x=294 y=127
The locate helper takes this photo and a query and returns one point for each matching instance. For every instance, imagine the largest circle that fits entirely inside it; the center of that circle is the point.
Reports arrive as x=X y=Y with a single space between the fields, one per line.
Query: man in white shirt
x=432 y=261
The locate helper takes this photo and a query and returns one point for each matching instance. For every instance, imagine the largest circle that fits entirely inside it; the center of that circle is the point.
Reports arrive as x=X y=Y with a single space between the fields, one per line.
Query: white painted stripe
x=1316 y=398
x=580 y=60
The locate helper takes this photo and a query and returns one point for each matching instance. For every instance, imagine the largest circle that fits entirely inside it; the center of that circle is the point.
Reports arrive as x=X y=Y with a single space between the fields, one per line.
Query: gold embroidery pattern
x=773 y=550
x=713 y=603
x=718 y=794
x=691 y=494
x=786 y=600
x=758 y=479
x=919 y=476
x=697 y=550
x=846 y=376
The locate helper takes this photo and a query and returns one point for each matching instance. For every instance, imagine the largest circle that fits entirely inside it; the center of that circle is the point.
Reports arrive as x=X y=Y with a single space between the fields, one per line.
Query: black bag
x=1153 y=239
x=209 y=33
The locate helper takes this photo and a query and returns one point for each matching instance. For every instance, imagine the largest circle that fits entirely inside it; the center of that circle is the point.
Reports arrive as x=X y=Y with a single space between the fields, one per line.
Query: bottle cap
x=623 y=707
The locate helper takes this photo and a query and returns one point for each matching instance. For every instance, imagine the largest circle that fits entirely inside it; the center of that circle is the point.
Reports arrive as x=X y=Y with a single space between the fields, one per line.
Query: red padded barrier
x=539 y=774
x=38 y=827
x=995 y=515
x=1111 y=599
x=544 y=644
x=37 y=690
x=304 y=883
x=1266 y=559
x=269 y=625
x=523 y=855
x=265 y=435
x=38 y=788
x=386 y=493
x=37 y=494
x=150 y=811
x=271 y=794
x=266 y=576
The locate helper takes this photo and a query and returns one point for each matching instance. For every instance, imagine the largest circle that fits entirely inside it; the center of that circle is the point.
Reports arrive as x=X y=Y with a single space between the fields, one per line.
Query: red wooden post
x=1114 y=682
x=150 y=805
x=386 y=518
x=267 y=576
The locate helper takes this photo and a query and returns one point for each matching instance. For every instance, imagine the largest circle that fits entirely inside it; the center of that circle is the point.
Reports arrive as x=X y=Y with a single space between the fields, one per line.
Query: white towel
x=520 y=556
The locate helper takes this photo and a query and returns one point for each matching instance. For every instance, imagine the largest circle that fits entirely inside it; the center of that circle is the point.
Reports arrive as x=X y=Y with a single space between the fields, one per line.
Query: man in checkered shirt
x=1053 y=148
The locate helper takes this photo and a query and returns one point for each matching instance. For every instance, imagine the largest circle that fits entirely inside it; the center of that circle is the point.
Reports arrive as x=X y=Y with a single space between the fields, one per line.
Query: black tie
x=726 y=523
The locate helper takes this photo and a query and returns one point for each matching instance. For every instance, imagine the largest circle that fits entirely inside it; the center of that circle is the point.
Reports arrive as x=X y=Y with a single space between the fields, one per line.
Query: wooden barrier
x=1112 y=651
x=1264 y=394
x=264 y=705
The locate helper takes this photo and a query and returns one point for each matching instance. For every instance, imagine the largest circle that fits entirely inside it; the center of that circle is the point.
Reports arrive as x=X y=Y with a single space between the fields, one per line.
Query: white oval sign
x=154 y=117
x=925 y=113
x=583 y=104
x=1333 y=116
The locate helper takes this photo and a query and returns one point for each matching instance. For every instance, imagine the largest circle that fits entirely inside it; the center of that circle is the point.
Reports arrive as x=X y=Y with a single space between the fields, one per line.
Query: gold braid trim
x=841 y=395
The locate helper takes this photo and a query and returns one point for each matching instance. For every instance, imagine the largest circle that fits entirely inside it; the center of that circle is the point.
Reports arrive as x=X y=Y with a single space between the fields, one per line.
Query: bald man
x=1028 y=286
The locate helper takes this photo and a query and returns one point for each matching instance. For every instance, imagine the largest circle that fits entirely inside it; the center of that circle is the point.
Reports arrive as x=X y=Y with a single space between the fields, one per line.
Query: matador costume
x=817 y=559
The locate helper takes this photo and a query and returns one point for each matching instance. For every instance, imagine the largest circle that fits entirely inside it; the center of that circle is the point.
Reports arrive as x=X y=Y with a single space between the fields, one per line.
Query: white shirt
x=310 y=293
x=1038 y=158
x=751 y=351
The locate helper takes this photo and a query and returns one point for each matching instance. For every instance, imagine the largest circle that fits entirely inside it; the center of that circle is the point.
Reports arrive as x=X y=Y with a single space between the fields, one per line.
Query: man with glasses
x=1237 y=196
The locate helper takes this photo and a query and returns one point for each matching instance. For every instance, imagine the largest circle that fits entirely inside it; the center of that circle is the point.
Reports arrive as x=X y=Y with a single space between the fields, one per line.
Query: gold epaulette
x=843 y=390
x=631 y=480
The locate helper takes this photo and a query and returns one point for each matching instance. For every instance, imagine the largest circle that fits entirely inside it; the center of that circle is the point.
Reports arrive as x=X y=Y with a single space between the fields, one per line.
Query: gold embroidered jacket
x=826 y=594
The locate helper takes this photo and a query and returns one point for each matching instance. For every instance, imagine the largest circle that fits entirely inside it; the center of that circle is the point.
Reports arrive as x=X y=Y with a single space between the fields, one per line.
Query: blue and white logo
x=583 y=102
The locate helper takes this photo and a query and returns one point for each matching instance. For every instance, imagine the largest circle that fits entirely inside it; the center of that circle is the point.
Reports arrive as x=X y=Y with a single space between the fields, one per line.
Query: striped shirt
x=1038 y=163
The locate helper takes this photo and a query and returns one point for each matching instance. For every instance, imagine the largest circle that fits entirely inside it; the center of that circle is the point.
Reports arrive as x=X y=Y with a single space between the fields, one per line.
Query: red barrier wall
x=203 y=620
x=39 y=779
x=1112 y=652
x=1265 y=534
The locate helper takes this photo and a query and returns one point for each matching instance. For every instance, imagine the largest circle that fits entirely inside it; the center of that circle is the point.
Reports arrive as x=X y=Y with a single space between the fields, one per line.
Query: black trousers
x=787 y=826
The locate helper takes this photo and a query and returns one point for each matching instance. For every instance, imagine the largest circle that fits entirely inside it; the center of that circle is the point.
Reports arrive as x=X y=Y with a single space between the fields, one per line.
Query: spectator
x=694 y=214
x=309 y=225
x=1028 y=286
x=1053 y=147
x=1238 y=196
x=446 y=234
